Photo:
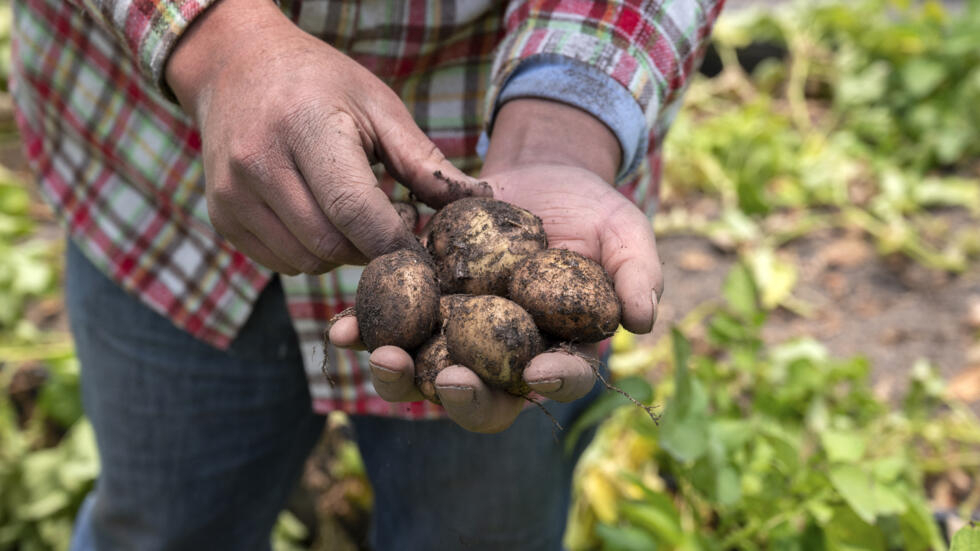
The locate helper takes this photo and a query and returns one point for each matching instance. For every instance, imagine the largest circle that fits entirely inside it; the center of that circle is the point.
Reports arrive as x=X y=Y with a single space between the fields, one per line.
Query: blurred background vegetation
x=817 y=358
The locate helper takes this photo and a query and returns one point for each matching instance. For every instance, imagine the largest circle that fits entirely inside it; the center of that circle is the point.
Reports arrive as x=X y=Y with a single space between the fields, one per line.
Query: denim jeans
x=200 y=447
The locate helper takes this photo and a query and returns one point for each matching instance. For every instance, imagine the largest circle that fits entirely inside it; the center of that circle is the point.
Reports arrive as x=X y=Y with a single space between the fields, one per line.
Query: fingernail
x=385 y=374
x=548 y=385
x=457 y=394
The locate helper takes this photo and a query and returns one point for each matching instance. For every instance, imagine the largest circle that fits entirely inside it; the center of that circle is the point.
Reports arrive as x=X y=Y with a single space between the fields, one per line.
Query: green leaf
x=732 y=433
x=888 y=469
x=918 y=527
x=739 y=291
x=864 y=87
x=637 y=387
x=663 y=523
x=844 y=446
x=60 y=397
x=966 y=539
x=866 y=496
x=45 y=506
x=951 y=192
x=684 y=427
x=804 y=349
x=288 y=533
x=846 y=531
x=922 y=76
x=624 y=538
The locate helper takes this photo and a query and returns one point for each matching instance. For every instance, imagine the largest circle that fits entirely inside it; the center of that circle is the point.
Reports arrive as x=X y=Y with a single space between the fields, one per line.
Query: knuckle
x=433 y=154
x=309 y=124
x=340 y=121
x=328 y=247
x=221 y=222
x=246 y=158
x=308 y=264
x=221 y=193
x=348 y=205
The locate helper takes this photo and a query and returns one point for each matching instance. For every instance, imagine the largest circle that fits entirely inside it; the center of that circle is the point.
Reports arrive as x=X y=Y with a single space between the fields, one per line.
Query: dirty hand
x=567 y=185
x=290 y=128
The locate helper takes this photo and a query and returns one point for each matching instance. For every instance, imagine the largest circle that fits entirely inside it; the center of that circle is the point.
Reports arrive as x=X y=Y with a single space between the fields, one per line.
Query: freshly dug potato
x=397 y=300
x=495 y=338
x=447 y=303
x=476 y=242
x=569 y=295
x=430 y=359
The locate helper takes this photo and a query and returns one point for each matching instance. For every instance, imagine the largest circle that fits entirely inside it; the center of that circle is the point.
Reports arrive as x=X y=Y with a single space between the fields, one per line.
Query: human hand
x=567 y=185
x=290 y=128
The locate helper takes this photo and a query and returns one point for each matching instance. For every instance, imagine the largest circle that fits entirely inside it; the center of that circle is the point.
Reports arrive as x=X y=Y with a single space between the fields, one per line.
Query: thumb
x=629 y=254
x=411 y=157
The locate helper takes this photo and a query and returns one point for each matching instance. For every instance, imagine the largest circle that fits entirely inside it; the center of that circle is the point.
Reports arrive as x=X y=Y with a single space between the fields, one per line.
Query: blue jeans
x=201 y=447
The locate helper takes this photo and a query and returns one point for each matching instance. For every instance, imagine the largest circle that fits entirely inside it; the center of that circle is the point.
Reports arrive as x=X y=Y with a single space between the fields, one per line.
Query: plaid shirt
x=121 y=165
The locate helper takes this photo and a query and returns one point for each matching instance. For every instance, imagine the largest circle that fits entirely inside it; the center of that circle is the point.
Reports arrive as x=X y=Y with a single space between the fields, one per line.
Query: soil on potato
x=570 y=297
x=503 y=322
x=454 y=257
x=400 y=285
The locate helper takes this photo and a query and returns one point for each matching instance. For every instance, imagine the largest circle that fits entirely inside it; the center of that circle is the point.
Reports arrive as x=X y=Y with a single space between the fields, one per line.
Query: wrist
x=207 y=46
x=530 y=131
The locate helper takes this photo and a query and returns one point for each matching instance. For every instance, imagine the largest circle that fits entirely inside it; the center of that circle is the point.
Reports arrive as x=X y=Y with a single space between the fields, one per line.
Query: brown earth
x=888 y=309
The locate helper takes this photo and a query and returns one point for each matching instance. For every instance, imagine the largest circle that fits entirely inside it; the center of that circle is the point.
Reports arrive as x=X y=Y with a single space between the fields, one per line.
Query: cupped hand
x=581 y=212
x=290 y=128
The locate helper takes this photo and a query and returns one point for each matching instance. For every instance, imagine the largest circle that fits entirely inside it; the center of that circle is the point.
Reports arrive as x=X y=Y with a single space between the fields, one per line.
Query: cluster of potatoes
x=483 y=291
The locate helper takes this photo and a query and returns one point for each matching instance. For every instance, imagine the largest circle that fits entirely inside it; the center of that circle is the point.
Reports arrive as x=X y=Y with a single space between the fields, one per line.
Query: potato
x=495 y=338
x=569 y=295
x=447 y=303
x=430 y=359
x=397 y=300
x=476 y=242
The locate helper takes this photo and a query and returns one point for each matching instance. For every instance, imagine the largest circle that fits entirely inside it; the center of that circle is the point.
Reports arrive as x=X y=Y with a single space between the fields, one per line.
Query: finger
x=288 y=196
x=344 y=333
x=412 y=158
x=340 y=178
x=560 y=376
x=408 y=212
x=393 y=374
x=246 y=242
x=270 y=230
x=472 y=404
x=629 y=254
x=252 y=247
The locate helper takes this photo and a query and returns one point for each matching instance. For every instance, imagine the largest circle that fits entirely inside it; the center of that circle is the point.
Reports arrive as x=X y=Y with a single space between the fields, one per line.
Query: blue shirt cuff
x=569 y=81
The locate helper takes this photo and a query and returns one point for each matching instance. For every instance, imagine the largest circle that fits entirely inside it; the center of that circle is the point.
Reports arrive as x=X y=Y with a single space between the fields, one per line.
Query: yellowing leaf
x=601 y=495
x=774 y=276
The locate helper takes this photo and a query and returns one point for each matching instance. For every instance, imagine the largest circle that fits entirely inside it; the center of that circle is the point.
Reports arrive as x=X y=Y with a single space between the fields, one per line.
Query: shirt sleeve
x=649 y=48
x=569 y=81
x=147 y=29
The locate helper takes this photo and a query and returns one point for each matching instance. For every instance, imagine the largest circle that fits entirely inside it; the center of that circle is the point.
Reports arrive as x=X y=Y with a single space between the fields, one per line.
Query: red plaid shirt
x=120 y=162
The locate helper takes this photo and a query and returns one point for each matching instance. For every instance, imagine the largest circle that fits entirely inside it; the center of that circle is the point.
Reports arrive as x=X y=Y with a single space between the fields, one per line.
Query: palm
x=583 y=213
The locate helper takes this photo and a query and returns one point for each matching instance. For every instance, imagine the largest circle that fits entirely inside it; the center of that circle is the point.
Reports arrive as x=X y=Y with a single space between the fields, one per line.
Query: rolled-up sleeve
x=147 y=29
x=649 y=48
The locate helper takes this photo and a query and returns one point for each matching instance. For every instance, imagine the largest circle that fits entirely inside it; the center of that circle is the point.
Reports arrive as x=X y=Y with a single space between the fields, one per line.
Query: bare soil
x=888 y=309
